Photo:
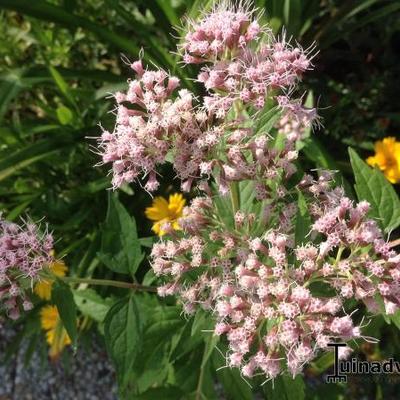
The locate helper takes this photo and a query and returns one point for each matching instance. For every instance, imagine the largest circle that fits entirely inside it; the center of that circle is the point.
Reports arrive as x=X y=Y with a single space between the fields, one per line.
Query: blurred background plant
x=60 y=60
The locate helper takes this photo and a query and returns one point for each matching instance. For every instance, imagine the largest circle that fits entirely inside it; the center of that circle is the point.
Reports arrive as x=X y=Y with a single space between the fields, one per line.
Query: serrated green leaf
x=186 y=343
x=123 y=335
x=61 y=296
x=120 y=246
x=162 y=329
x=372 y=186
x=90 y=303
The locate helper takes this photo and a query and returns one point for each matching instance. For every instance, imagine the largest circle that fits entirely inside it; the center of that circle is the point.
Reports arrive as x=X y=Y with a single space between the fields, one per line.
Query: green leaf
x=61 y=296
x=316 y=152
x=90 y=303
x=284 y=387
x=323 y=362
x=64 y=115
x=186 y=343
x=154 y=45
x=48 y=12
x=292 y=15
x=327 y=391
x=395 y=318
x=10 y=85
x=63 y=87
x=120 y=246
x=35 y=152
x=211 y=343
x=164 y=393
x=266 y=120
x=162 y=329
x=169 y=11
x=203 y=388
x=234 y=385
x=303 y=220
x=199 y=321
x=247 y=196
x=197 y=383
x=148 y=241
x=198 y=7
x=371 y=185
x=123 y=336
x=163 y=12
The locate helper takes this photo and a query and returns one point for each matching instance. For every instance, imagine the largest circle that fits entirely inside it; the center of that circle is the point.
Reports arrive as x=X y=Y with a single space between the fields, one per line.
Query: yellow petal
x=59 y=268
x=56 y=335
x=176 y=204
x=393 y=174
x=48 y=317
x=158 y=209
x=157 y=227
x=176 y=226
x=387 y=158
x=57 y=339
x=43 y=289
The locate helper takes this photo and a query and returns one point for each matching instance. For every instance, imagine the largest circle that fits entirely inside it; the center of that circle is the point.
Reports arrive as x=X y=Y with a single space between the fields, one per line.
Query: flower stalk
x=109 y=282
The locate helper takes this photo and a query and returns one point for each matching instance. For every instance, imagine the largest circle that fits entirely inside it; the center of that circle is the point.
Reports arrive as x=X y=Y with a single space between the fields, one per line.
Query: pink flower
x=24 y=253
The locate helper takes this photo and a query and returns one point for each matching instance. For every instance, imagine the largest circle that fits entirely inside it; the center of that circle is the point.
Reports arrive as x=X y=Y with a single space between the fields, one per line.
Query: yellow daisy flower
x=163 y=211
x=43 y=288
x=56 y=335
x=387 y=158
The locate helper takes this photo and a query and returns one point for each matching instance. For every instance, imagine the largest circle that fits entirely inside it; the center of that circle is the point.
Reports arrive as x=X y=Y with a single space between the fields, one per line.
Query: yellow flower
x=43 y=288
x=56 y=335
x=387 y=158
x=163 y=211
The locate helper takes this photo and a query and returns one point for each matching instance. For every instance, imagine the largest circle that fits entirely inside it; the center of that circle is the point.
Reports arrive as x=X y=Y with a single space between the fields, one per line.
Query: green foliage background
x=60 y=60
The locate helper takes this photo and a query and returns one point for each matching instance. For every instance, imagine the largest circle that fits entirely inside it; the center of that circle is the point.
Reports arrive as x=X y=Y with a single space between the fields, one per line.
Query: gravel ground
x=88 y=377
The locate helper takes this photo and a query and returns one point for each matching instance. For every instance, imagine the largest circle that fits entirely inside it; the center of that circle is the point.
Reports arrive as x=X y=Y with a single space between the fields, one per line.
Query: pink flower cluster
x=263 y=288
x=244 y=61
x=245 y=67
x=146 y=120
x=226 y=29
x=245 y=261
x=155 y=126
x=24 y=252
x=253 y=76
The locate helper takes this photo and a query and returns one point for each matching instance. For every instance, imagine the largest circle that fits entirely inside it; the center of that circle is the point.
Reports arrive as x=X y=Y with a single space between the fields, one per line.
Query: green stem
x=109 y=282
x=339 y=255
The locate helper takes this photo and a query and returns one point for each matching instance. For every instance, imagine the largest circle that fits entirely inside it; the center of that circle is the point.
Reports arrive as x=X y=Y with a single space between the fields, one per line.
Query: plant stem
x=339 y=254
x=109 y=282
